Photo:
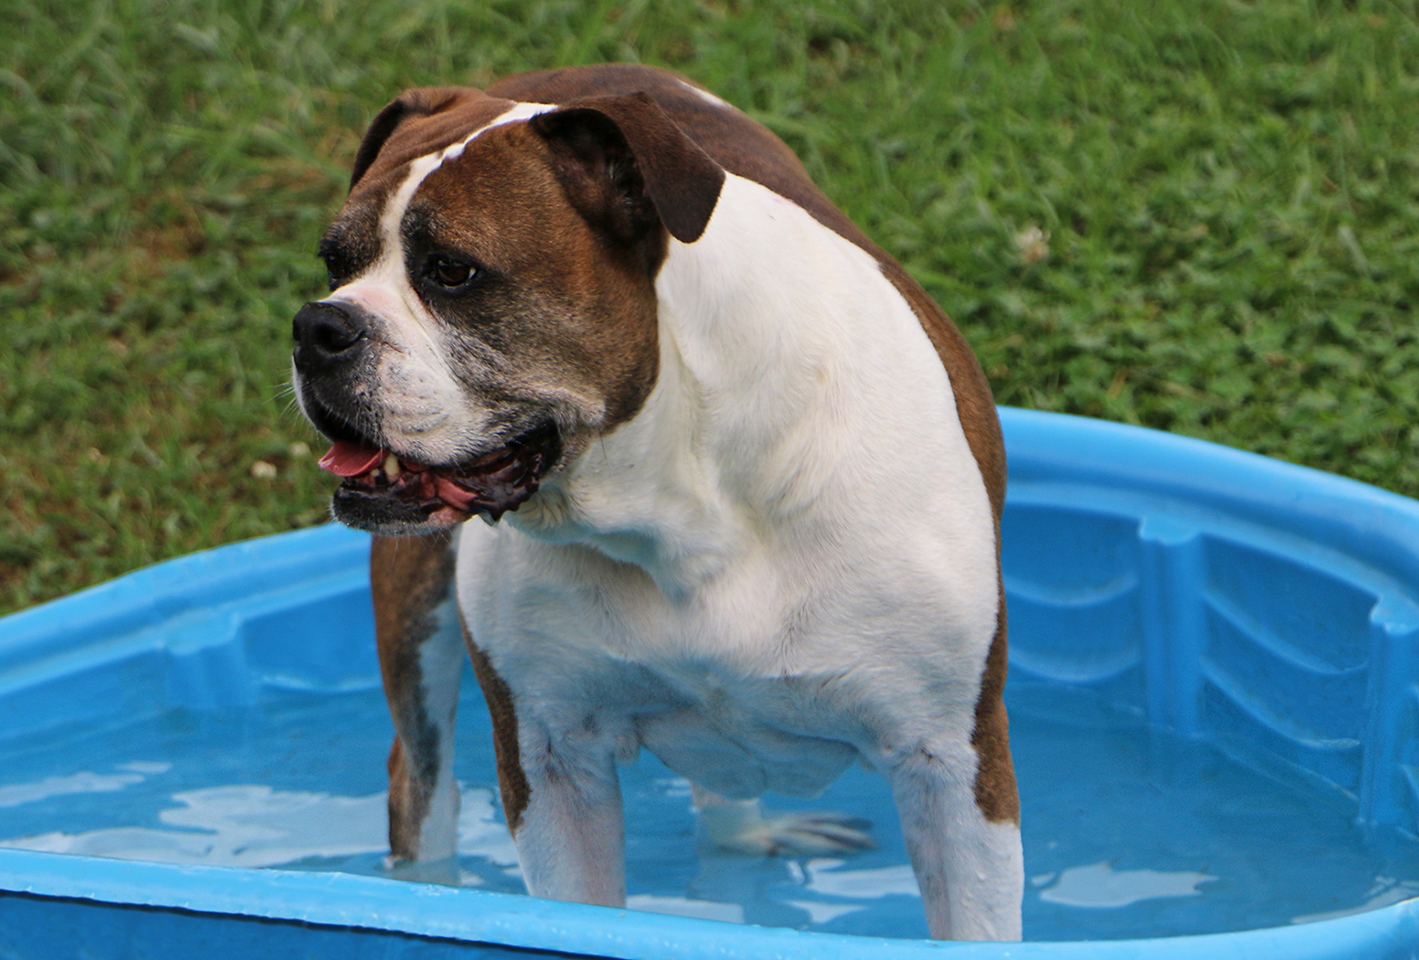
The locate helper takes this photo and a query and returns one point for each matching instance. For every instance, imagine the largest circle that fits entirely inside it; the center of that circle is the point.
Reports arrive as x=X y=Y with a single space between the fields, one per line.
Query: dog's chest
x=736 y=735
x=710 y=688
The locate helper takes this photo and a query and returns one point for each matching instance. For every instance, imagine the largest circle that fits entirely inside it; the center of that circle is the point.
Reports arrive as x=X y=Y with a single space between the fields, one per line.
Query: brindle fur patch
x=512 y=779
x=555 y=304
x=997 y=794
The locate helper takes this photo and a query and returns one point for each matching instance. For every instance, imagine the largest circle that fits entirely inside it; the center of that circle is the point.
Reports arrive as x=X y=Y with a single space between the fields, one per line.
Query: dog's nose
x=328 y=333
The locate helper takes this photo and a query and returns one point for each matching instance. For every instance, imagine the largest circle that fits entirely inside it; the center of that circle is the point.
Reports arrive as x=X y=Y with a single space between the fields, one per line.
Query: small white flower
x=1033 y=244
x=261 y=470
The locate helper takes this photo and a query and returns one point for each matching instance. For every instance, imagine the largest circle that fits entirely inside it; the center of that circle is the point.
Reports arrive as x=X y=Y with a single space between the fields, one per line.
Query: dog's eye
x=332 y=272
x=450 y=273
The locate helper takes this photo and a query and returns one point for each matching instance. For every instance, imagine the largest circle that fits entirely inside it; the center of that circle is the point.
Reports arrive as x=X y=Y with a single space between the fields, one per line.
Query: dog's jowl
x=739 y=483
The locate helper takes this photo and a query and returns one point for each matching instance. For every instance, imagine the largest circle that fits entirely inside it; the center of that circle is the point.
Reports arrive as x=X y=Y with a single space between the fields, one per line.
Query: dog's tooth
x=391 y=467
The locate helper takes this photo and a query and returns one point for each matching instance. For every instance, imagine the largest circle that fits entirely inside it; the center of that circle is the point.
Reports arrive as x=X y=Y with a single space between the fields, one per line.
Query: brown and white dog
x=749 y=478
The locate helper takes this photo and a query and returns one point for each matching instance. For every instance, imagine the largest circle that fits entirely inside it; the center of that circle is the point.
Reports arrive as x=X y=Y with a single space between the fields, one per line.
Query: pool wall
x=1267 y=607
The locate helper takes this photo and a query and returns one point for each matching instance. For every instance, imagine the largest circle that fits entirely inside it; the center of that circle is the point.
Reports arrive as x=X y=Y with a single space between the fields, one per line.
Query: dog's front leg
x=571 y=842
x=560 y=791
x=420 y=659
x=970 y=869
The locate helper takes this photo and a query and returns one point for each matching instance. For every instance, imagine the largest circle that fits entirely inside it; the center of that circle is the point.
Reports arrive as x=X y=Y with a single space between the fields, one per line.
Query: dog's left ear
x=627 y=166
x=408 y=106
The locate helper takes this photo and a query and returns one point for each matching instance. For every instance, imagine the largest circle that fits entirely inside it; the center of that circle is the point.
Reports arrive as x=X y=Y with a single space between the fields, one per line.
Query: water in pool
x=1128 y=833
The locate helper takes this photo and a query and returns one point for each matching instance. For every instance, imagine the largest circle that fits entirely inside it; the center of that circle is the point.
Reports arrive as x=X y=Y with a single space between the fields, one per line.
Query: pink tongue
x=349 y=459
x=454 y=495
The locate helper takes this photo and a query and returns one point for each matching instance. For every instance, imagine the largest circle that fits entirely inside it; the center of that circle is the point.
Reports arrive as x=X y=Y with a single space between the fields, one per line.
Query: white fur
x=785 y=560
x=441 y=667
x=706 y=96
x=970 y=871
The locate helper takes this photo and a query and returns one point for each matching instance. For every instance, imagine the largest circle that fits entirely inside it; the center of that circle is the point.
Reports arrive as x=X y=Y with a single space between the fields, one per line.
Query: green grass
x=1199 y=215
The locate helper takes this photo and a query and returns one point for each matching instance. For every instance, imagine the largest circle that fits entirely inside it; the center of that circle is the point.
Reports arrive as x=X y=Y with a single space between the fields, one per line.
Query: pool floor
x=1128 y=832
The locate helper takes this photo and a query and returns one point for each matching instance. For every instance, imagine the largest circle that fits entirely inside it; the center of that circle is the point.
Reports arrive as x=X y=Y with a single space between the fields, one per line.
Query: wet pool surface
x=1128 y=833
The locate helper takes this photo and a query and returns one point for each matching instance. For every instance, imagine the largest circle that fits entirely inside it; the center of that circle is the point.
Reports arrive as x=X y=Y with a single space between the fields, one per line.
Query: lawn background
x=1200 y=216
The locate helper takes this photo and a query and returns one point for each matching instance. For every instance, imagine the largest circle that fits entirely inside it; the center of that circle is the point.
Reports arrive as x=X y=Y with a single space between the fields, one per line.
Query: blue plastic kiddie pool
x=1214 y=702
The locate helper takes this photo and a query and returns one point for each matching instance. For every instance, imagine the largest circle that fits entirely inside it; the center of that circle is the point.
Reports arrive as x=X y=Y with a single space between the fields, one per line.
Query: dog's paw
x=744 y=827
x=443 y=871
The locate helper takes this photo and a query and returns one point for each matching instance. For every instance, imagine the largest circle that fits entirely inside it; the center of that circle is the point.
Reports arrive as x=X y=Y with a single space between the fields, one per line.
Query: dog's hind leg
x=744 y=827
x=969 y=867
x=420 y=659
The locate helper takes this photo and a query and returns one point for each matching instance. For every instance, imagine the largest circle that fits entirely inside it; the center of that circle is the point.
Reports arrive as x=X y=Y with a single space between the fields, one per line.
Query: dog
x=741 y=483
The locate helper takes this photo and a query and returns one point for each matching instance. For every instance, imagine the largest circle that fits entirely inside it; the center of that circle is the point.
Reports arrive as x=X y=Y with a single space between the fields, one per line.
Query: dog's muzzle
x=382 y=489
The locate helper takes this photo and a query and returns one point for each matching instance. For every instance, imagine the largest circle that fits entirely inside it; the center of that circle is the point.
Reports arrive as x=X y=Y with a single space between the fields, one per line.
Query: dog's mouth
x=383 y=490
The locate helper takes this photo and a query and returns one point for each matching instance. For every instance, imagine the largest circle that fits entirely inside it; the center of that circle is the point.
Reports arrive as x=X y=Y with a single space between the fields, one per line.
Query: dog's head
x=492 y=307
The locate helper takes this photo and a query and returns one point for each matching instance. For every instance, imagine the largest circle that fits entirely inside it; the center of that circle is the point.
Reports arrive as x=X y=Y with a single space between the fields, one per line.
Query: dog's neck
x=741 y=433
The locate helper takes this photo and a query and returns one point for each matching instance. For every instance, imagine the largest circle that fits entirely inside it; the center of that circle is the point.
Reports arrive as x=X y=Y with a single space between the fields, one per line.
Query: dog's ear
x=381 y=127
x=410 y=105
x=627 y=166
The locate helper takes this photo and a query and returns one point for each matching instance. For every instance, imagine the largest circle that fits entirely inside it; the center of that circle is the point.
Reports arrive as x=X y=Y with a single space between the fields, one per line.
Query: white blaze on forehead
x=705 y=95
x=420 y=169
